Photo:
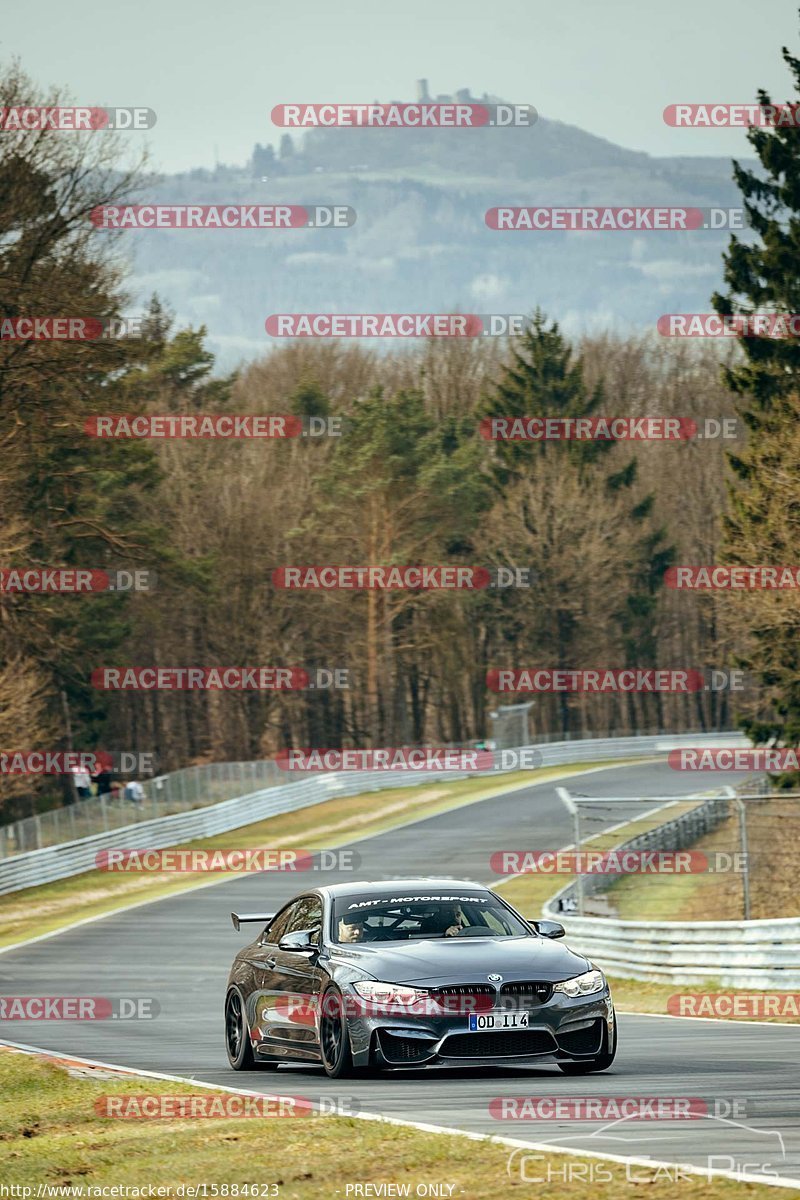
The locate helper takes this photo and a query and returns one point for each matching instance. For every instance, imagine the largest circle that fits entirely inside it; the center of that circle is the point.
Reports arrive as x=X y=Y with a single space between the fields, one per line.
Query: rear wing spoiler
x=238 y=918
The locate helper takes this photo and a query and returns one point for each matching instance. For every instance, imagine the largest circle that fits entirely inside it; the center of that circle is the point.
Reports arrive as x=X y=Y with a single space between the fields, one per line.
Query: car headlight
x=582 y=985
x=389 y=993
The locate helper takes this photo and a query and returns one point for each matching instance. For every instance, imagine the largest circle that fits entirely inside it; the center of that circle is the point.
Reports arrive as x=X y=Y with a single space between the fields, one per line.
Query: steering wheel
x=381 y=934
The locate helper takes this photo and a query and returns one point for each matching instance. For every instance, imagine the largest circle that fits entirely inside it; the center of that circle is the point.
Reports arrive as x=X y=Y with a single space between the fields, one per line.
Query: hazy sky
x=213 y=71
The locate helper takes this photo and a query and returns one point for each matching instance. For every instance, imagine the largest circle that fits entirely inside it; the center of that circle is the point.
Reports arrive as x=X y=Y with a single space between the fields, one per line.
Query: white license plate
x=497 y=1020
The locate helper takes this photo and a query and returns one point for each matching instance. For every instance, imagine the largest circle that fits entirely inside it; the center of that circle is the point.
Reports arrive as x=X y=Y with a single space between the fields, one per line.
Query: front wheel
x=604 y=1059
x=334 y=1039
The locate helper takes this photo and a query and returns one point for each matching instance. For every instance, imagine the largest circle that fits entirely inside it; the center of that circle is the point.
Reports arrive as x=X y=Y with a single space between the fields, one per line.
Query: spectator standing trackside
x=134 y=792
x=102 y=779
x=83 y=782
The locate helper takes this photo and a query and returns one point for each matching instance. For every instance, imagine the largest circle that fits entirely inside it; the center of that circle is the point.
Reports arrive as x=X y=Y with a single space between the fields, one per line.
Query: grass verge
x=773 y=830
x=633 y=995
x=50 y=1134
x=530 y=891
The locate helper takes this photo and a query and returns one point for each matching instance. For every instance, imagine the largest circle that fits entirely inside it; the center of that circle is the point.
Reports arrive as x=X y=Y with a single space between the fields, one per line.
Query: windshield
x=393 y=918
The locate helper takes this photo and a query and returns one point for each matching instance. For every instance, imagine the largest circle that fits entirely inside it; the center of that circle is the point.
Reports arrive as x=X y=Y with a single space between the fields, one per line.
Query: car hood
x=442 y=961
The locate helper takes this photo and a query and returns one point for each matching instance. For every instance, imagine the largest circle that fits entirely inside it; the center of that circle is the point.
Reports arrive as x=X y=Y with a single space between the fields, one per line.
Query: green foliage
x=762 y=273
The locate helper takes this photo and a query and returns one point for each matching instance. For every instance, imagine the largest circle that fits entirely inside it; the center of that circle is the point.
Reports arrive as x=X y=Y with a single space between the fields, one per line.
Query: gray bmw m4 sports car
x=413 y=973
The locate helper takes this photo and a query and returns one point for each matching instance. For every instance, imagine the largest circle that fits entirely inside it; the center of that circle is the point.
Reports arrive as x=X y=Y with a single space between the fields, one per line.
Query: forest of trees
x=409 y=481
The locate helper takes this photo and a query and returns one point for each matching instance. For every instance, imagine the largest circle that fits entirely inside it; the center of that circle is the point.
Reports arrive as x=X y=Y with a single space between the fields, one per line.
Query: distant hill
x=420 y=242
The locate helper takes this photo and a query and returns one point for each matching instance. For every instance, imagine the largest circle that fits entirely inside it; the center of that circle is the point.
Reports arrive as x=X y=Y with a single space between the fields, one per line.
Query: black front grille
x=511 y=1043
x=533 y=991
x=582 y=1041
x=462 y=998
x=465 y=989
x=398 y=1049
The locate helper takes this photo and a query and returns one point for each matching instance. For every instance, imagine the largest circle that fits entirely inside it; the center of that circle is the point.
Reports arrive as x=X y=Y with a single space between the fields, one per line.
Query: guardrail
x=759 y=954
x=735 y=954
x=178 y=792
x=73 y=857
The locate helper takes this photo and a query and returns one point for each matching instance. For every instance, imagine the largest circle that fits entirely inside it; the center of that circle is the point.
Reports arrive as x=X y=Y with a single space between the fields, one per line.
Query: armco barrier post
x=742 y=810
x=572 y=807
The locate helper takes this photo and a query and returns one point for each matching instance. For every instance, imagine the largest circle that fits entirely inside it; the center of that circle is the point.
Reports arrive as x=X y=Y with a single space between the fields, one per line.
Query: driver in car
x=453 y=919
x=351 y=931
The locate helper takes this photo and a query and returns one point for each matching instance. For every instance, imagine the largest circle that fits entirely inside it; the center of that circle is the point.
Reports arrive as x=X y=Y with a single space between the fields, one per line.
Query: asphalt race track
x=179 y=950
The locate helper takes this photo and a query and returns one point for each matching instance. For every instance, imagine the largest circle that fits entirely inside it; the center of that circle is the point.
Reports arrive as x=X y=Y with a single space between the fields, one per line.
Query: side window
x=495 y=922
x=306 y=913
x=277 y=926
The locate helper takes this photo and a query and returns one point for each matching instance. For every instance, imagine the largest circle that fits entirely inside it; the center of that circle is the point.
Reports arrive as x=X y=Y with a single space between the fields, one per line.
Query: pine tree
x=762 y=273
x=545 y=379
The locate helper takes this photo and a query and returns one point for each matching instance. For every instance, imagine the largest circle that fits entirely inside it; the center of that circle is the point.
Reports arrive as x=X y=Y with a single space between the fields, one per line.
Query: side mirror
x=549 y=929
x=298 y=942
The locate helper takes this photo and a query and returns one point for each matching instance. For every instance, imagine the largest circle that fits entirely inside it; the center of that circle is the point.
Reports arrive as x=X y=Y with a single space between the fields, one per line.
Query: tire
x=601 y=1063
x=334 y=1038
x=237 y=1035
